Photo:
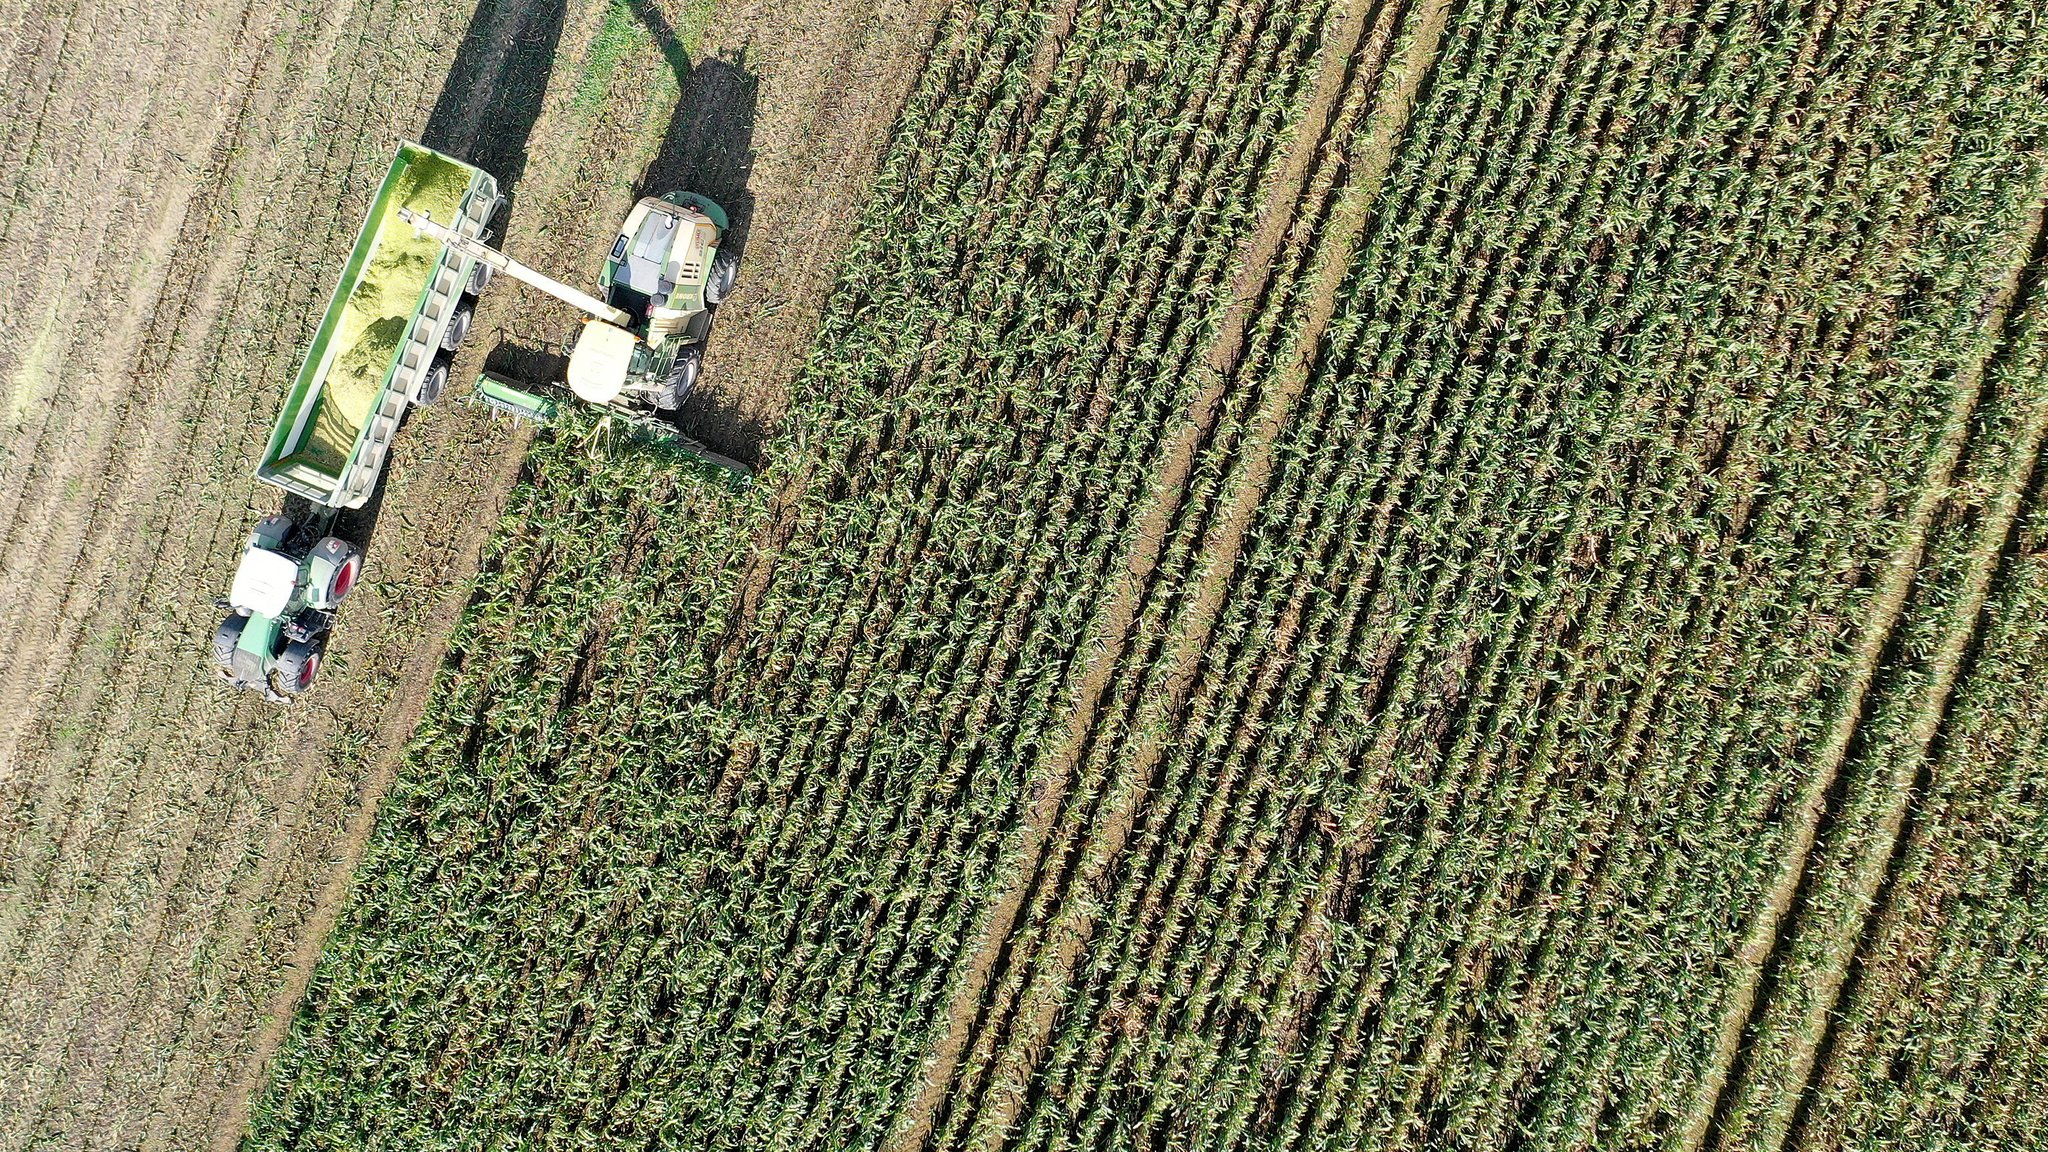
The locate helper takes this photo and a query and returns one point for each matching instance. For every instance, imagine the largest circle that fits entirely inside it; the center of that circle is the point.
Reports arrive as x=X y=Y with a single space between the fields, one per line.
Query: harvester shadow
x=708 y=148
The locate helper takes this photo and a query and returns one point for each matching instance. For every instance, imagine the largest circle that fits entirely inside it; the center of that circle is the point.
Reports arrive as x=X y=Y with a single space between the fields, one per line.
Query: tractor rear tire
x=342 y=558
x=725 y=272
x=295 y=670
x=458 y=327
x=225 y=639
x=433 y=383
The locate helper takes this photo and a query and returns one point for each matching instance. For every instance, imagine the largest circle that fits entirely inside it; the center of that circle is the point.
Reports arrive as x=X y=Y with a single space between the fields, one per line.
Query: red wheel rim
x=312 y=666
x=345 y=579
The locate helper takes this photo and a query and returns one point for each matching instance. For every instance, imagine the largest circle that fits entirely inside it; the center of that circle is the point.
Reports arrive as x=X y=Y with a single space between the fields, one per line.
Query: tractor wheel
x=725 y=272
x=295 y=670
x=225 y=639
x=433 y=383
x=458 y=328
x=335 y=565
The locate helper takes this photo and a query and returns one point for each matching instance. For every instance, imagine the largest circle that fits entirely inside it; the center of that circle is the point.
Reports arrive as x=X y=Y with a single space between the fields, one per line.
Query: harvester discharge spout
x=497 y=261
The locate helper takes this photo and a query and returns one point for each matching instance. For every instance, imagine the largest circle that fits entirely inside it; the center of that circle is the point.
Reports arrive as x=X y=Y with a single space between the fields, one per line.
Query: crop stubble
x=166 y=845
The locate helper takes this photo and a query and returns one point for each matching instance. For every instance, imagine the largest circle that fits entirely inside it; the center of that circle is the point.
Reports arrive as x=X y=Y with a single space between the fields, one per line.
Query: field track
x=172 y=854
x=1360 y=80
x=1332 y=574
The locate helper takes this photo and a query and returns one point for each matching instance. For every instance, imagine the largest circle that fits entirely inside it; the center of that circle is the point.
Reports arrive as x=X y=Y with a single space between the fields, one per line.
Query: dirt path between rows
x=1766 y=932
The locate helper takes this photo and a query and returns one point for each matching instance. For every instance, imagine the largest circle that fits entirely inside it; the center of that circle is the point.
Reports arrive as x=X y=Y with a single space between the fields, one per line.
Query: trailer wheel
x=432 y=382
x=226 y=638
x=458 y=327
x=295 y=670
x=480 y=277
x=725 y=272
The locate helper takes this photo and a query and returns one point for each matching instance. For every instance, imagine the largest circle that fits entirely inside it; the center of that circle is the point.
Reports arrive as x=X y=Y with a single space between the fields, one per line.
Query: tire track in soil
x=1222 y=539
x=1875 y=858
x=132 y=824
x=226 y=916
x=27 y=709
x=229 y=520
x=1770 y=932
x=1351 y=32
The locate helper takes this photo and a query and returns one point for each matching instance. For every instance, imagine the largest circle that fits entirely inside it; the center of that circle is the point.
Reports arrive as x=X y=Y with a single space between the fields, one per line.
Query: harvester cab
x=281 y=606
x=664 y=268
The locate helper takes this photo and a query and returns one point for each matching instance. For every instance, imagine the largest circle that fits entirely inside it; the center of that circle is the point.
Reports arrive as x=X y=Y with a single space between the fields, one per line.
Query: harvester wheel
x=681 y=379
x=725 y=272
x=434 y=382
x=458 y=327
x=225 y=638
x=295 y=670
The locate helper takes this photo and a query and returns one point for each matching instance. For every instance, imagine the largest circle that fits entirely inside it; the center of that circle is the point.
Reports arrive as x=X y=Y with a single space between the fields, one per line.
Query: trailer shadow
x=708 y=148
x=485 y=114
x=493 y=94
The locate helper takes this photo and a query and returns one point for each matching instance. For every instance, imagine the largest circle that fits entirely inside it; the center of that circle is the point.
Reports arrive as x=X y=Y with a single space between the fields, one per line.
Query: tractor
x=281 y=605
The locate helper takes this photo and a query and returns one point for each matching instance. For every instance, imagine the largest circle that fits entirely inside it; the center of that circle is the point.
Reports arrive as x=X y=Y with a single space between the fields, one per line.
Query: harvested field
x=170 y=853
x=1328 y=574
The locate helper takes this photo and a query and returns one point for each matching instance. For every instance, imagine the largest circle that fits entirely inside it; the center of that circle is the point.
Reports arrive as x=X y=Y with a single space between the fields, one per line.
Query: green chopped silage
x=379 y=308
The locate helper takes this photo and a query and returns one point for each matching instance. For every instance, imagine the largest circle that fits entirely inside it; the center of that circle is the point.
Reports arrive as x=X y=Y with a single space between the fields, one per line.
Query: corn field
x=1339 y=576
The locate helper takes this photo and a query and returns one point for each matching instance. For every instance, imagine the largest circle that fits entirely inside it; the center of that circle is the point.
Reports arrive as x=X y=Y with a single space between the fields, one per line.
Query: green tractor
x=290 y=580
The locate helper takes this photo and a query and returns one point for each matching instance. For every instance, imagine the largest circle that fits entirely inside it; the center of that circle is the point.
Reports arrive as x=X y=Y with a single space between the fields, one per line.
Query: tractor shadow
x=708 y=148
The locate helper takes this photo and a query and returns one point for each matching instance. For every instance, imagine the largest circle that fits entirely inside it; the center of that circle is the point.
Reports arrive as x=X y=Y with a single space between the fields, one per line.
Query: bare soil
x=176 y=198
